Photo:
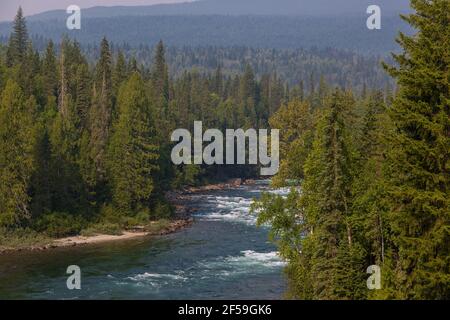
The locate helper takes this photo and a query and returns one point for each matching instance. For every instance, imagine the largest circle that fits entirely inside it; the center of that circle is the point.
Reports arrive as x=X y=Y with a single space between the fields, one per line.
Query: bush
x=21 y=238
x=143 y=216
x=59 y=224
x=109 y=214
x=162 y=210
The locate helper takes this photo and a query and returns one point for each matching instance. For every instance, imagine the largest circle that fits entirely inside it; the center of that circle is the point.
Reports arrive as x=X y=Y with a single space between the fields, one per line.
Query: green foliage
x=18 y=41
x=17 y=162
x=376 y=180
x=99 y=125
x=162 y=210
x=132 y=155
x=102 y=228
x=59 y=224
x=419 y=175
x=21 y=238
x=297 y=123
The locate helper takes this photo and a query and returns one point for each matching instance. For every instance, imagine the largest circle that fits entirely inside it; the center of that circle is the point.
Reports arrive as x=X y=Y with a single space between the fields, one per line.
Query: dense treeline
x=270 y=31
x=374 y=177
x=295 y=66
x=87 y=144
x=299 y=66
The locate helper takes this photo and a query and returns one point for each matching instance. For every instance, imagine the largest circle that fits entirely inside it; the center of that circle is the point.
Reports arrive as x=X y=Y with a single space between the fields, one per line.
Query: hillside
x=242 y=7
x=349 y=33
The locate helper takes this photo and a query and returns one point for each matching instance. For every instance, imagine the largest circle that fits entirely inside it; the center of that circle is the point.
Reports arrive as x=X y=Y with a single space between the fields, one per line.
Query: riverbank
x=182 y=219
x=222 y=255
x=170 y=227
x=154 y=228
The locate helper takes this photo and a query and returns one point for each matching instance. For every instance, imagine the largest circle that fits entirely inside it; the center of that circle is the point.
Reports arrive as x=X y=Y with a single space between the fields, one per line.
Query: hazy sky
x=8 y=8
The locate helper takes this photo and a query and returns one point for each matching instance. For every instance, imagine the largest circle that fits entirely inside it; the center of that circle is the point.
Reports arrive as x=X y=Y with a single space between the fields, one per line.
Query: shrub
x=59 y=224
x=21 y=238
x=162 y=210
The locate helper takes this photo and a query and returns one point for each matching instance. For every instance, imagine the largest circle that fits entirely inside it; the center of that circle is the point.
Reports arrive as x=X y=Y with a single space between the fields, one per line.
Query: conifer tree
x=120 y=72
x=369 y=186
x=133 y=153
x=160 y=78
x=49 y=70
x=218 y=81
x=326 y=198
x=297 y=124
x=68 y=189
x=18 y=40
x=17 y=162
x=419 y=157
x=82 y=99
x=100 y=117
x=247 y=97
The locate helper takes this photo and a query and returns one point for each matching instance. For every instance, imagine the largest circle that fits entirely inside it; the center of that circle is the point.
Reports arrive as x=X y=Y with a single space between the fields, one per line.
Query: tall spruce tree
x=326 y=202
x=160 y=78
x=369 y=186
x=100 y=117
x=419 y=157
x=49 y=70
x=133 y=152
x=83 y=97
x=18 y=40
x=120 y=72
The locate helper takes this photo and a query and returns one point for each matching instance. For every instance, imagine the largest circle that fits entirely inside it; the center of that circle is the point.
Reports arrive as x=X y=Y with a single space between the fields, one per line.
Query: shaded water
x=223 y=255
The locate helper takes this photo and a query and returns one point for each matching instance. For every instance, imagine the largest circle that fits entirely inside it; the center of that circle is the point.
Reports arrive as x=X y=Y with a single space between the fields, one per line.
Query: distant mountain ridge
x=255 y=23
x=241 y=7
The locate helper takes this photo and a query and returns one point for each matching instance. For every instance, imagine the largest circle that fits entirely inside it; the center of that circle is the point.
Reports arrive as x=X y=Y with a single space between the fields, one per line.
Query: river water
x=223 y=255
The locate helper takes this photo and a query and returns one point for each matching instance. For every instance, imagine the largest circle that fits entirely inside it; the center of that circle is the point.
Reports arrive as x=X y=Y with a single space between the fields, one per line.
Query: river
x=222 y=255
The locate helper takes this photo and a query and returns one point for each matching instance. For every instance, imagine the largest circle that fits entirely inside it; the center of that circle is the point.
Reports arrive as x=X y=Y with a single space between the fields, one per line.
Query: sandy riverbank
x=173 y=226
x=179 y=200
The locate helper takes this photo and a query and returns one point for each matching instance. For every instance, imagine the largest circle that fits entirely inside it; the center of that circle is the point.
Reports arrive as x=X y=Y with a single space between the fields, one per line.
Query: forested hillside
x=335 y=31
x=305 y=67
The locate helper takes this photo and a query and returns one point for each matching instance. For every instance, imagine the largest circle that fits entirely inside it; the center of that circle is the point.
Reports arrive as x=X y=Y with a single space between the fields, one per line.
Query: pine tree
x=100 y=118
x=296 y=123
x=49 y=70
x=160 y=78
x=27 y=73
x=326 y=198
x=120 y=72
x=82 y=99
x=248 y=101
x=419 y=157
x=103 y=67
x=42 y=183
x=369 y=189
x=18 y=40
x=63 y=87
x=133 y=154
x=17 y=163
x=65 y=135
x=218 y=81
